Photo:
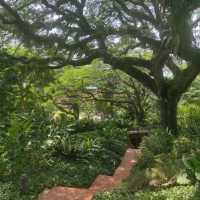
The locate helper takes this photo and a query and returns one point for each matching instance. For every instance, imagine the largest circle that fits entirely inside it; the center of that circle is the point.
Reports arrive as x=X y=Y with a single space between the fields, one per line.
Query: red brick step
x=103 y=183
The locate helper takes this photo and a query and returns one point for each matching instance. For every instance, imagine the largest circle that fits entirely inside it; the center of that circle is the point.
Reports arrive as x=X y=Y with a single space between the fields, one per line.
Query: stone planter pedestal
x=135 y=136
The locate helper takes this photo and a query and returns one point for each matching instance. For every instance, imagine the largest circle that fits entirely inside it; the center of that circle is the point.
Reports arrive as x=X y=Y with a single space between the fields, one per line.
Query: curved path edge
x=101 y=183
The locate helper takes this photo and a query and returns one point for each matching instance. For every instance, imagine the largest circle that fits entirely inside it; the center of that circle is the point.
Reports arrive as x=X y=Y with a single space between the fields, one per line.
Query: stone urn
x=135 y=136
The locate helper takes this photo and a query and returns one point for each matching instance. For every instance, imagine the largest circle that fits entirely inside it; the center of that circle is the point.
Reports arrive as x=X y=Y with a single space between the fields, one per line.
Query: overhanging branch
x=140 y=76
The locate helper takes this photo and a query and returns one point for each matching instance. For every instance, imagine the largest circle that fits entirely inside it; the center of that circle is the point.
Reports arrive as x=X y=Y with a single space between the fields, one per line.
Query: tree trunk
x=168 y=114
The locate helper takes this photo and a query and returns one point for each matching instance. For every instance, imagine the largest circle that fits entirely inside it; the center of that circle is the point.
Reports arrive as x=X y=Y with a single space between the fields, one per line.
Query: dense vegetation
x=168 y=167
x=77 y=76
x=43 y=144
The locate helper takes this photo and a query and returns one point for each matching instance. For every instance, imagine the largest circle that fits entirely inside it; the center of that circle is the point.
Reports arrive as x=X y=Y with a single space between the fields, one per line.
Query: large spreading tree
x=75 y=32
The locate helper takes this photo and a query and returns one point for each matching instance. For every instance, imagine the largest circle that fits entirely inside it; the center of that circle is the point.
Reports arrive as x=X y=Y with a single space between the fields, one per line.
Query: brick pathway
x=101 y=183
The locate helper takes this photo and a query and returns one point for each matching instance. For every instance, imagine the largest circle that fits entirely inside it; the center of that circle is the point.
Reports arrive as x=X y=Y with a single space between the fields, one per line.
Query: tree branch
x=140 y=76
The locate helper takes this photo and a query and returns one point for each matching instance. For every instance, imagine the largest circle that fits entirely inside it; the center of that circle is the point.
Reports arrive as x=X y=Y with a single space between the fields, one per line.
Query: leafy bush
x=16 y=145
x=9 y=191
x=74 y=146
x=189 y=118
x=192 y=165
x=111 y=129
x=155 y=162
x=183 y=145
x=158 y=142
x=85 y=125
x=160 y=162
x=153 y=145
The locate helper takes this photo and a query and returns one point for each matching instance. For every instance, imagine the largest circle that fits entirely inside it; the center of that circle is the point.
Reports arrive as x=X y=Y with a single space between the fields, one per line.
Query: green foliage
x=161 y=161
x=79 y=78
x=193 y=93
x=22 y=88
x=21 y=144
x=112 y=128
x=36 y=138
x=49 y=154
x=189 y=117
x=75 y=146
x=192 y=165
x=153 y=145
x=9 y=191
x=159 y=142
x=78 y=145
x=174 y=193
x=93 y=89
x=85 y=125
x=155 y=162
x=183 y=145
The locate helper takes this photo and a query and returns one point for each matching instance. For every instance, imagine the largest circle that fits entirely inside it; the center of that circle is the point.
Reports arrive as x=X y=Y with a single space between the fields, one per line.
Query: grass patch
x=174 y=193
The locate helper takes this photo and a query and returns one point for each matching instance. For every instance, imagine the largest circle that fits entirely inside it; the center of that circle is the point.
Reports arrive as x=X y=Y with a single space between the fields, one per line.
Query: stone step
x=63 y=193
x=103 y=183
x=128 y=161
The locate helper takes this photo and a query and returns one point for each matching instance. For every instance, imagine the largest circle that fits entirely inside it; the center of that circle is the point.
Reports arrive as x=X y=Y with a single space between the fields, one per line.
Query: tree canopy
x=75 y=32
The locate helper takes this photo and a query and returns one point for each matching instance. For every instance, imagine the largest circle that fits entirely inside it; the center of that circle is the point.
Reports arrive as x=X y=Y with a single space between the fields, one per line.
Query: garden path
x=101 y=183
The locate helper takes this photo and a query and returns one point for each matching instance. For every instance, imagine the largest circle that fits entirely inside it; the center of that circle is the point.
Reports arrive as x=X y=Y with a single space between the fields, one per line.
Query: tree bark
x=168 y=114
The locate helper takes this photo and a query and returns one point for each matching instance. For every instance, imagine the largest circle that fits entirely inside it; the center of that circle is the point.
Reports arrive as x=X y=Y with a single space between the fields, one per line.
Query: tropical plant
x=192 y=164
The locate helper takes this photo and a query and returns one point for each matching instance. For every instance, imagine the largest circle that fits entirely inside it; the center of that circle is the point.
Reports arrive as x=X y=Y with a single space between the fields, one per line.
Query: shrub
x=158 y=142
x=189 y=118
x=84 y=125
x=110 y=130
x=75 y=146
x=160 y=161
x=137 y=180
x=153 y=145
x=182 y=145
x=192 y=165
x=22 y=145
x=155 y=151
